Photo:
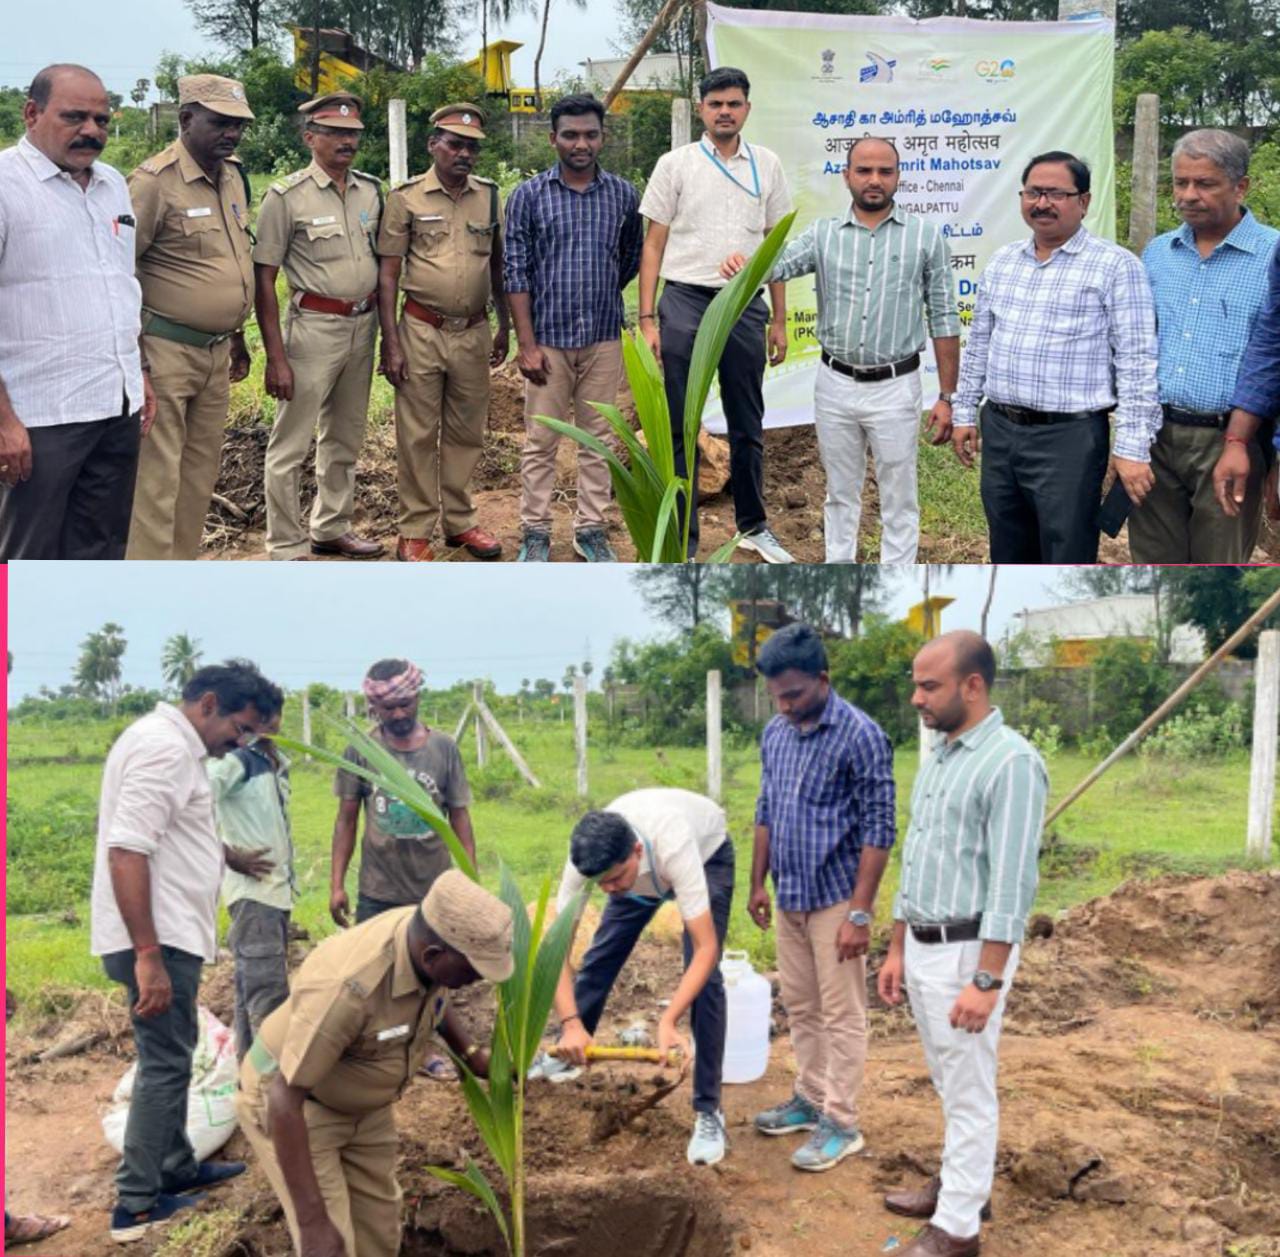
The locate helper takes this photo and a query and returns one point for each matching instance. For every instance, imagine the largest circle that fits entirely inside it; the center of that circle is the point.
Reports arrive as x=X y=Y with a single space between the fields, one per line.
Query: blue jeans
x=621 y=924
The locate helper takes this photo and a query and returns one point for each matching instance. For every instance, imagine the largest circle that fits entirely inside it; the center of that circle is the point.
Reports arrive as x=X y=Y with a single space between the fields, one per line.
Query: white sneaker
x=708 y=1143
x=552 y=1068
x=766 y=545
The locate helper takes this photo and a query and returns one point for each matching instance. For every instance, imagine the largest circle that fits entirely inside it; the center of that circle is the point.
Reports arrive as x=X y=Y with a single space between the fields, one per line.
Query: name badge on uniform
x=429 y=218
x=202 y=211
x=393 y=1032
x=324 y=221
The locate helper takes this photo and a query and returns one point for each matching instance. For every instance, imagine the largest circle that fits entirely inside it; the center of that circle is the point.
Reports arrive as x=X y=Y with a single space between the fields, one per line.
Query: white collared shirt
x=156 y=800
x=710 y=206
x=70 y=307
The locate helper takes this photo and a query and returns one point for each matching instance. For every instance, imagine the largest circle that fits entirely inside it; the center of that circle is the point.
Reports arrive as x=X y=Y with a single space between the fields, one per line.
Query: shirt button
x=1179 y=370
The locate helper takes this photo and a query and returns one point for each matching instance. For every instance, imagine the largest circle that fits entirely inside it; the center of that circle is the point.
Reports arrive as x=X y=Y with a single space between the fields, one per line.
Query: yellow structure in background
x=493 y=64
x=1082 y=652
x=341 y=59
x=925 y=617
x=764 y=616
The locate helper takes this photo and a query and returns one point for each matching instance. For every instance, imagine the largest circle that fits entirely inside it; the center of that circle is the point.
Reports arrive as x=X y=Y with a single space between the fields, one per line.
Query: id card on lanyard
x=669 y=893
x=714 y=158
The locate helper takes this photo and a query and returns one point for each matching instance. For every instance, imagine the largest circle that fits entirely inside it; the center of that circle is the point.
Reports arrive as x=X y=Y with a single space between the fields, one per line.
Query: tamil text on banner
x=966 y=102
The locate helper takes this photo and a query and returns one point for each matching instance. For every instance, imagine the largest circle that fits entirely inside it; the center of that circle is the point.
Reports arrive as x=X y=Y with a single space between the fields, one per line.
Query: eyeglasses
x=1054 y=195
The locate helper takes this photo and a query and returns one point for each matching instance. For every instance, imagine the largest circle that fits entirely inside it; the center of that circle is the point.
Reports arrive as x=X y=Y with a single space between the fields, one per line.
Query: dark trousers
x=680 y=310
x=367 y=908
x=259 y=941
x=158 y=1156
x=620 y=926
x=79 y=499
x=1041 y=488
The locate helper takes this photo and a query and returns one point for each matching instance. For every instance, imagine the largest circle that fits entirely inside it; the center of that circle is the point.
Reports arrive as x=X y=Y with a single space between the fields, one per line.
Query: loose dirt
x=1140 y=1085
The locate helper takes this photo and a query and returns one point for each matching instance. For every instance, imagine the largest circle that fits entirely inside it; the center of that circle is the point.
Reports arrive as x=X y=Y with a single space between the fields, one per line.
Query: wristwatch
x=858 y=917
x=947 y=397
x=985 y=981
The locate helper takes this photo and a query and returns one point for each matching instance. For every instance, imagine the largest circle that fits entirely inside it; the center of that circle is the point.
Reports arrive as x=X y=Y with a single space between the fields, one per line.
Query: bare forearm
x=760 y=858
x=871 y=866
x=344 y=845
x=650 y=265
x=131 y=884
x=522 y=316
x=1243 y=424
x=566 y=1005
x=267 y=306
x=460 y=819
x=694 y=979
x=388 y=292
x=778 y=301
x=994 y=957
x=946 y=349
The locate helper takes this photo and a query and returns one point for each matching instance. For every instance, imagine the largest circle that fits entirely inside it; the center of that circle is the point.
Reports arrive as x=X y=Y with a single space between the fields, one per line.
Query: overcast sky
x=328 y=621
x=122 y=42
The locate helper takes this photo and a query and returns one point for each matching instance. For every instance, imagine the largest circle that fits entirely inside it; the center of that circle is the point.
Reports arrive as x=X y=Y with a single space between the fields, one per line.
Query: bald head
x=953 y=676
x=970 y=653
x=44 y=84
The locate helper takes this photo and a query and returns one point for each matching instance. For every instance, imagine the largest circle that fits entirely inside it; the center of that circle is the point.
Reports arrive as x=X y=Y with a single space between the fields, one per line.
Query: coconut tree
x=180 y=659
x=98 y=668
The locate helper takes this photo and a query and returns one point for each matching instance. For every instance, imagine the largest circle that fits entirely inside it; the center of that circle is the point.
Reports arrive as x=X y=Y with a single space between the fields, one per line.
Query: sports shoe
x=552 y=1068
x=708 y=1143
x=594 y=546
x=210 y=1174
x=535 y=546
x=766 y=545
x=127 y=1226
x=788 y=1118
x=827 y=1146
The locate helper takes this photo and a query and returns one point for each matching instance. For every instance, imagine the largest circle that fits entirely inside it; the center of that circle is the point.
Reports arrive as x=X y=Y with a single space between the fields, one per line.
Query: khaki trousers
x=355 y=1165
x=441 y=412
x=331 y=356
x=179 y=459
x=826 y=1002
x=575 y=377
x=1181 y=521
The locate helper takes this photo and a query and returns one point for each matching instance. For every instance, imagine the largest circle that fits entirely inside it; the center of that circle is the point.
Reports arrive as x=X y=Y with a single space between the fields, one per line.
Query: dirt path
x=1140 y=1083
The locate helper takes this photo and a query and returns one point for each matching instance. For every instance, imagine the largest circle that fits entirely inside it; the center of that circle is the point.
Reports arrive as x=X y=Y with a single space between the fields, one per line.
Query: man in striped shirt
x=1063 y=331
x=878 y=269
x=573 y=244
x=968 y=881
x=824 y=829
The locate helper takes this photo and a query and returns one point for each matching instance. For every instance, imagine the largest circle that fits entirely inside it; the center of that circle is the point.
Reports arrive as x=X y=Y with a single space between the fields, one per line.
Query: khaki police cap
x=221 y=95
x=472 y=921
x=336 y=109
x=462 y=119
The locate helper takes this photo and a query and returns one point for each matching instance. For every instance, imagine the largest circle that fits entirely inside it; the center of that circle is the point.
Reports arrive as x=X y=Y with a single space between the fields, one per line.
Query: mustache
x=85 y=142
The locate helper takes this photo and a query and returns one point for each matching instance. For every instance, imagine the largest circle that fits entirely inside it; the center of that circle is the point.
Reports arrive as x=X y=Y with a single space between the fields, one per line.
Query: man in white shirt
x=154 y=914
x=704 y=201
x=74 y=401
x=645 y=848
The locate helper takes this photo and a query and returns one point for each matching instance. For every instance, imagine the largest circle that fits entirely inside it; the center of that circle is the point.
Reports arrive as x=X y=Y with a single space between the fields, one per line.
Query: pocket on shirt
x=429 y=238
x=328 y=242
x=207 y=234
x=368 y=1047
x=480 y=238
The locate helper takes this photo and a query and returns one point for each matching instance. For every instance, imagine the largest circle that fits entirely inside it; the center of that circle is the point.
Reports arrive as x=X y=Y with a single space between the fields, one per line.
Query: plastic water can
x=749 y=998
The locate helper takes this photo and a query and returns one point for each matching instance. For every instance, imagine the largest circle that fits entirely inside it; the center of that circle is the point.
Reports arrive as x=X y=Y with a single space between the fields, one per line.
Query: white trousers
x=963 y=1068
x=848 y=416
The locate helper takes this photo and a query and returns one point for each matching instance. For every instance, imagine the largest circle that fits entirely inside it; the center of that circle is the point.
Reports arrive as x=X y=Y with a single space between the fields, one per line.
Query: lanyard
x=714 y=158
x=653 y=868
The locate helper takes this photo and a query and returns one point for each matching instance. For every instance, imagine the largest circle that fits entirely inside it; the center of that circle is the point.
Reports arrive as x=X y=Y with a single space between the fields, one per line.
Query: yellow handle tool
x=650 y=1055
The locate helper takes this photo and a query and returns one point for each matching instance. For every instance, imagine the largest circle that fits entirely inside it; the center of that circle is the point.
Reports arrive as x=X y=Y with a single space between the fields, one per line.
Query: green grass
x=1144 y=817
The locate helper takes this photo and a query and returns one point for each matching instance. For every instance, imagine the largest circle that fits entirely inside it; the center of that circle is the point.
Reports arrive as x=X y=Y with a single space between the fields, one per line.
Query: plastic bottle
x=749 y=998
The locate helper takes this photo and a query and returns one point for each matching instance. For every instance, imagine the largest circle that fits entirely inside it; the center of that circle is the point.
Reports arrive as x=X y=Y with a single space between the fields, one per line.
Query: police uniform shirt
x=323 y=238
x=446 y=244
x=358 y=1022
x=194 y=255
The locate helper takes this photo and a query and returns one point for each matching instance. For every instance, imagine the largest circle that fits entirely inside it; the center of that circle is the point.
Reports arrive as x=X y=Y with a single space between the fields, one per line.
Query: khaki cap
x=462 y=119
x=336 y=109
x=472 y=921
x=222 y=95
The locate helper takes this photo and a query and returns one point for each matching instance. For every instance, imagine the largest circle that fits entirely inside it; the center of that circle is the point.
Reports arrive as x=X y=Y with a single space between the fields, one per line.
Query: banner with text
x=966 y=102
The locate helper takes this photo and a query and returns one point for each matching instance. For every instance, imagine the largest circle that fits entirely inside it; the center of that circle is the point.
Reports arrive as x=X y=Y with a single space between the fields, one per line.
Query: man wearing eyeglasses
x=445 y=229
x=1063 y=333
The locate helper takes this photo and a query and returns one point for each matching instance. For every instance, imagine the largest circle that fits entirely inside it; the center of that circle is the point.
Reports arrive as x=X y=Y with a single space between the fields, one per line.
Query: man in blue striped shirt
x=824 y=829
x=573 y=244
x=969 y=876
x=1209 y=278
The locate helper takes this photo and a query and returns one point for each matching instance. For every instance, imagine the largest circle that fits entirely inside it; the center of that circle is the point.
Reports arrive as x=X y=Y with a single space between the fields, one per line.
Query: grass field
x=1145 y=817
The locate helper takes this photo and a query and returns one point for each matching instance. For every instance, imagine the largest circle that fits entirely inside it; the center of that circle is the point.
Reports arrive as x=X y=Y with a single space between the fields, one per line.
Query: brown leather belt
x=873 y=375
x=331 y=305
x=451 y=322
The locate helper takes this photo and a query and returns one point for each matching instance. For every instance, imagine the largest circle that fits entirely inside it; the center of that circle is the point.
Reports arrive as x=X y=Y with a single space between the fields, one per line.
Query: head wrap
x=396 y=689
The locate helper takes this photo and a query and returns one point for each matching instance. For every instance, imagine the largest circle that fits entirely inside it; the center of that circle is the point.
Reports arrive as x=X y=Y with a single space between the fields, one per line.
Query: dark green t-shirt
x=401 y=855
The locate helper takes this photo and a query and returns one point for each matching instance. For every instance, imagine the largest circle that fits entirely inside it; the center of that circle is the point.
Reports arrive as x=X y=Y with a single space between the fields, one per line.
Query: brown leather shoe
x=922 y=1203
x=414 y=550
x=933 y=1242
x=349 y=546
x=484 y=545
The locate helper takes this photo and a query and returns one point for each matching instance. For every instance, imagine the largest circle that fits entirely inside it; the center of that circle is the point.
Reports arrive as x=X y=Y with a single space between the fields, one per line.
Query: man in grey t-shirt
x=401 y=855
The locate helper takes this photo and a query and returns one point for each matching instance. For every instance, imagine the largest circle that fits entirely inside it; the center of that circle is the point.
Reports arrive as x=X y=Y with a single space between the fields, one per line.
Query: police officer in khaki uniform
x=321 y=225
x=195 y=266
x=445 y=226
x=316 y=1087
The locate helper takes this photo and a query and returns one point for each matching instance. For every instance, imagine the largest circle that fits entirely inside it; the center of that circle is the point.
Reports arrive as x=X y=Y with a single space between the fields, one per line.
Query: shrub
x=50 y=853
x=1198 y=732
x=874 y=672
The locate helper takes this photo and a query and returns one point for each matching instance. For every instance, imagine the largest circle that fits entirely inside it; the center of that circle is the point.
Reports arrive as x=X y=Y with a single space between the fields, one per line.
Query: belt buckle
x=455 y=322
x=359 y=307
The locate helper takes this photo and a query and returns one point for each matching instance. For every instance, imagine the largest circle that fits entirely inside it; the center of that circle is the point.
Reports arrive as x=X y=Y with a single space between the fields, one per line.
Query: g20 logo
x=994 y=69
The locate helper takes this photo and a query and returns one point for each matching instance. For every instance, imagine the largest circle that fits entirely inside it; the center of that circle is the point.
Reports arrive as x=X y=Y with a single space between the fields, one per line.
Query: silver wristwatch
x=858 y=917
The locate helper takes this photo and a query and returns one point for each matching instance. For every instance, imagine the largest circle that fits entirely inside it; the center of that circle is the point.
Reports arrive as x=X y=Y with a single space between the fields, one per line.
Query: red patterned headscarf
x=396 y=689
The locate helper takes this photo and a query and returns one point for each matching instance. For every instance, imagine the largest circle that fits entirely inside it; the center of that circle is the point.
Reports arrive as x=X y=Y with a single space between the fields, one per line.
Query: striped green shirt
x=974 y=839
x=874 y=286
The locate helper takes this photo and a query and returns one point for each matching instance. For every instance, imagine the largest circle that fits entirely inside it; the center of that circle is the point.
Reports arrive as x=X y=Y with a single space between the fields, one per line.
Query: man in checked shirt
x=824 y=829
x=1063 y=332
x=969 y=877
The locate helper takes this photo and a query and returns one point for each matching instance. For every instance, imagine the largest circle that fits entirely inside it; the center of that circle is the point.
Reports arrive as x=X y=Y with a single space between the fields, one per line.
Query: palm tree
x=98 y=669
x=180 y=659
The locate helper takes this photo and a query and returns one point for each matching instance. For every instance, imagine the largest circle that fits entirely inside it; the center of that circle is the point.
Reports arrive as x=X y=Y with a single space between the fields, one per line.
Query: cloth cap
x=472 y=921
x=462 y=119
x=336 y=109
x=222 y=95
